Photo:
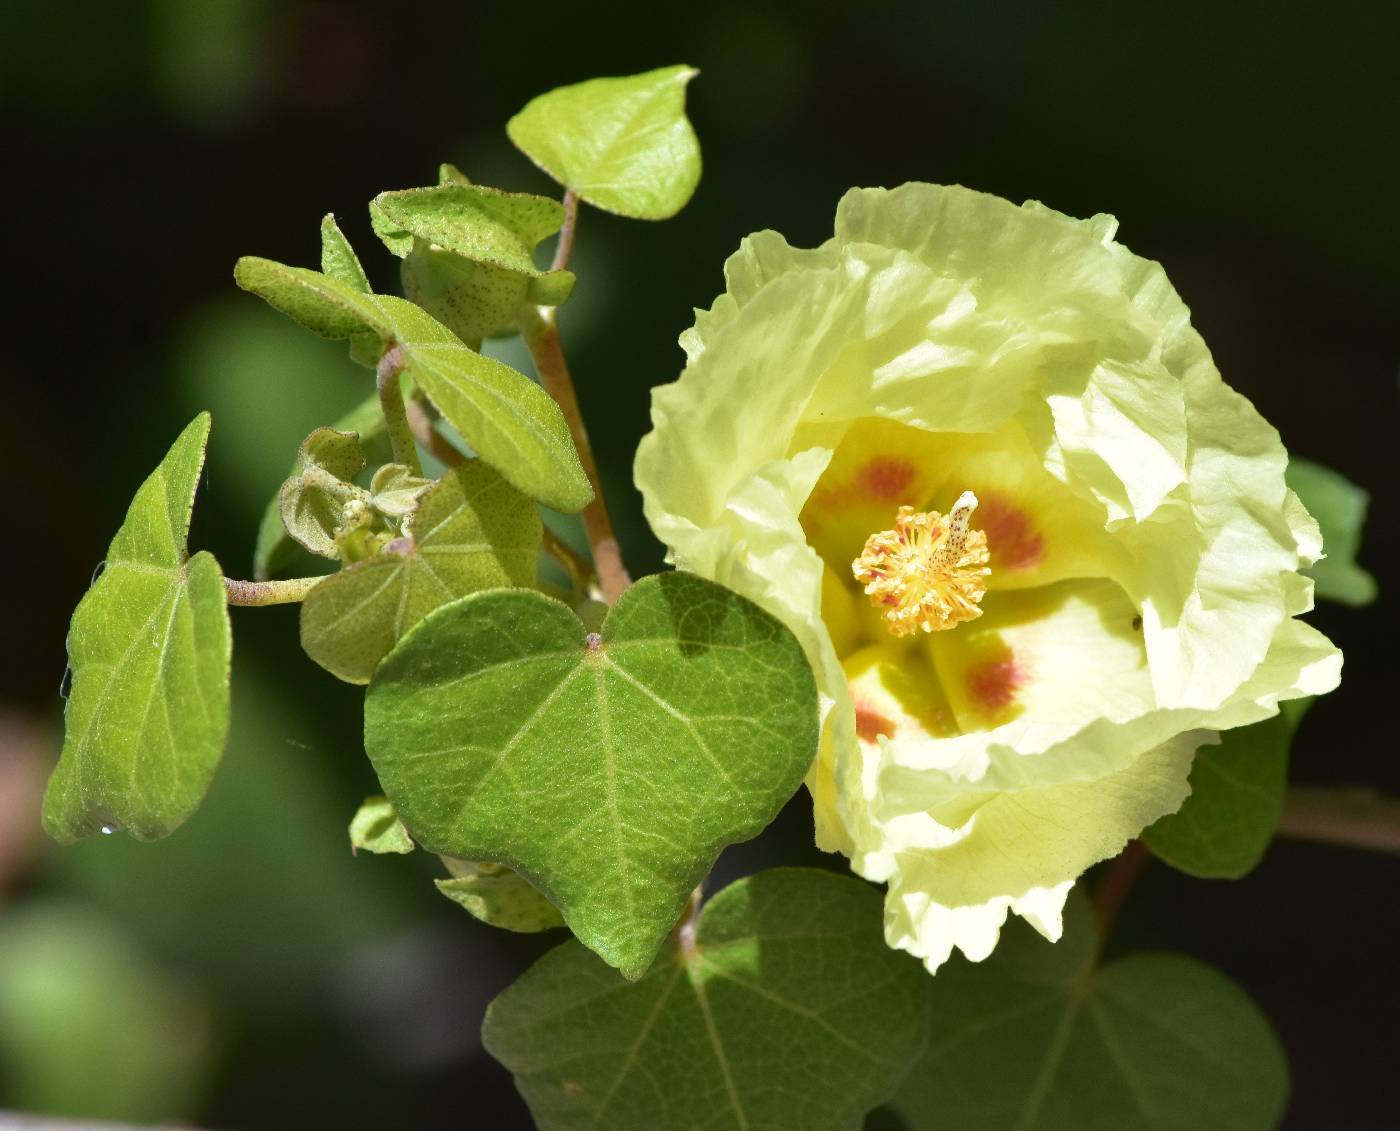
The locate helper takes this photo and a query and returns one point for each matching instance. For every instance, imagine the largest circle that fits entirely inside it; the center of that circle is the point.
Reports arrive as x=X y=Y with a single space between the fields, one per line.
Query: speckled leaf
x=1237 y=789
x=274 y=548
x=313 y=502
x=471 y=530
x=375 y=827
x=623 y=144
x=395 y=490
x=498 y=896
x=1340 y=509
x=610 y=770
x=788 y=1012
x=1153 y=1042
x=509 y=421
x=449 y=174
x=338 y=258
x=148 y=712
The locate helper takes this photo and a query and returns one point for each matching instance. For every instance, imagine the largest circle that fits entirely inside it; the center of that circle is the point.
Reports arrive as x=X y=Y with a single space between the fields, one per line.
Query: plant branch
x=1356 y=817
x=580 y=571
x=284 y=592
x=565 y=247
x=421 y=425
x=542 y=336
x=1117 y=882
x=395 y=418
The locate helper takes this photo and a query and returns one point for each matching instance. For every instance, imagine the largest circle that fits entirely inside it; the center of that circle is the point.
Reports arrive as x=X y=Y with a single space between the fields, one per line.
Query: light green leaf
x=315 y=503
x=1340 y=509
x=609 y=769
x=788 y=1011
x=1148 y=1043
x=473 y=300
x=471 y=530
x=274 y=548
x=498 y=896
x=1237 y=788
x=449 y=174
x=338 y=258
x=623 y=144
x=509 y=421
x=376 y=828
x=149 y=646
x=394 y=490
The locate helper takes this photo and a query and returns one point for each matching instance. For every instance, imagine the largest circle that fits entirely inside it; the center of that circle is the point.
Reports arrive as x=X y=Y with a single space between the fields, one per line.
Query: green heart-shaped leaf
x=1029 y=1040
x=1237 y=788
x=511 y=422
x=787 y=1011
x=610 y=768
x=1340 y=509
x=498 y=896
x=471 y=530
x=623 y=144
x=148 y=713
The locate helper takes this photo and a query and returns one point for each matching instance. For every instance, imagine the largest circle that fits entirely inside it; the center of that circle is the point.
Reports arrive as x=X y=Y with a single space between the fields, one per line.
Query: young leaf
x=148 y=713
x=471 y=530
x=1237 y=788
x=498 y=896
x=623 y=144
x=1340 y=509
x=449 y=174
x=376 y=828
x=338 y=258
x=274 y=549
x=609 y=769
x=787 y=1010
x=313 y=503
x=1148 y=1042
x=395 y=490
x=510 y=421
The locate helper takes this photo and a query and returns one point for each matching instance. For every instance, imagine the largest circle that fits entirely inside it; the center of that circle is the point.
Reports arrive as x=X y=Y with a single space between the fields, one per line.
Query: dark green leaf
x=375 y=827
x=610 y=770
x=1149 y=1043
x=498 y=896
x=150 y=646
x=1340 y=509
x=623 y=144
x=509 y=421
x=471 y=531
x=788 y=1011
x=1237 y=788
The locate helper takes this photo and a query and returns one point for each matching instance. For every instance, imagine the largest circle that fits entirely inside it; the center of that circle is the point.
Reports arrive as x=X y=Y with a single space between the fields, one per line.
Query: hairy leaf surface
x=788 y=1011
x=149 y=646
x=610 y=769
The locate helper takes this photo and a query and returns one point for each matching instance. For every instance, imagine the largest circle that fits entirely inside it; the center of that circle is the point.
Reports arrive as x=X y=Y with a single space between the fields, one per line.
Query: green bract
x=376 y=828
x=1144 y=548
x=609 y=769
x=784 y=1011
x=1340 y=509
x=623 y=144
x=509 y=420
x=149 y=647
x=498 y=896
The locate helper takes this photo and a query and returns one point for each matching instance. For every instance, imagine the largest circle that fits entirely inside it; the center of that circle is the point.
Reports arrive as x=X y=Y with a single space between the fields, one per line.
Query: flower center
x=929 y=572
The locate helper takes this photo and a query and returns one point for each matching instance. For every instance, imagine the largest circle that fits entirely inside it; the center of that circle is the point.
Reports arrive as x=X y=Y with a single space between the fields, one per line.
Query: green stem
x=1355 y=817
x=565 y=247
x=1117 y=882
x=541 y=335
x=284 y=592
x=395 y=417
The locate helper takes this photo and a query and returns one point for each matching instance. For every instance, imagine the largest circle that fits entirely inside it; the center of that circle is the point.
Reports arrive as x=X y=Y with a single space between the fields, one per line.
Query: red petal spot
x=993 y=684
x=886 y=478
x=1012 y=541
x=870 y=724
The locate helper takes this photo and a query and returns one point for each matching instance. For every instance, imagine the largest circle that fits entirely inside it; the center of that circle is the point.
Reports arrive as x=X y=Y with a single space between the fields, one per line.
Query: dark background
x=1251 y=148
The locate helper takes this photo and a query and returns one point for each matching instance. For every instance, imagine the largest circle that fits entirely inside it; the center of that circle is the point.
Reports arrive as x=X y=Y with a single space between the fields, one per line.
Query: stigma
x=929 y=572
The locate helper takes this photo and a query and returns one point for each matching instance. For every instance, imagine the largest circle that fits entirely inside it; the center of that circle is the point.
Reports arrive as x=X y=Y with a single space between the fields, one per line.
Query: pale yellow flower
x=1006 y=729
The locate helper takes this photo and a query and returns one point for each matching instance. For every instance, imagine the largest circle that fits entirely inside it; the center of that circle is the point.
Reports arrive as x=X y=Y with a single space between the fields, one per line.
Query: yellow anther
x=929 y=572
